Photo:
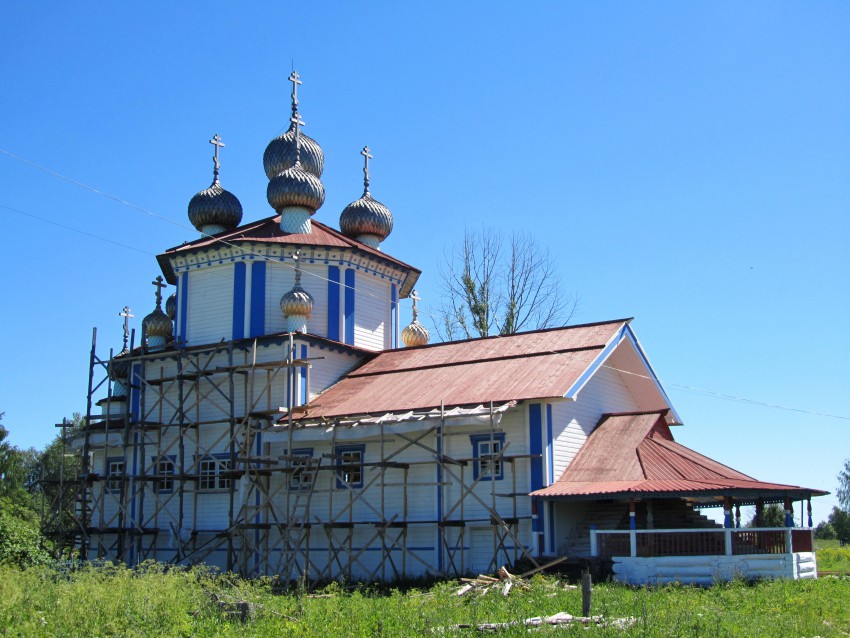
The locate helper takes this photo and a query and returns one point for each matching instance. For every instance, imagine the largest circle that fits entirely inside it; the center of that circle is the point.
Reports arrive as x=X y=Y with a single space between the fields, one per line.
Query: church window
x=213 y=472
x=349 y=465
x=302 y=473
x=487 y=451
x=114 y=472
x=164 y=475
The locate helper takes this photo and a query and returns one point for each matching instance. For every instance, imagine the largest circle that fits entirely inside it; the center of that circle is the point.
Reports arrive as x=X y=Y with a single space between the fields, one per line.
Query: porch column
x=738 y=515
x=810 y=510
x=759 y=512
x=727 y=512
x=789 y=512
x=632 y=528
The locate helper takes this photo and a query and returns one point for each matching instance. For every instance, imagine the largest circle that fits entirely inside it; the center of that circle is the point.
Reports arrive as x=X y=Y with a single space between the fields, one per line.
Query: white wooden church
x=269 y=422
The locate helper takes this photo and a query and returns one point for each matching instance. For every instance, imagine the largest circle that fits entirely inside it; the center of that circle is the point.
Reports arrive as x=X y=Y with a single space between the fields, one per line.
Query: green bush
x=20 y=536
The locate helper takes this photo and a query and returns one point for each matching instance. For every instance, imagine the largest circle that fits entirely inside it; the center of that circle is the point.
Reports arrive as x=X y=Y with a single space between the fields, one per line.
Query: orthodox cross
x=415 y=297
x=126 y=314
x=366 y=157
x=297 y=123
x=216 y=141
x=294 y=78
x=159 y=286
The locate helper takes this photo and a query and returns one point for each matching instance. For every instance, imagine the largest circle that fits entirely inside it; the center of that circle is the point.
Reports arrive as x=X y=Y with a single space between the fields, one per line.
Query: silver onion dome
x=366 y=216
x=284 y=150
x=215 y=206
x=280 y=154
x=295 y=187
x=171 y=306
x=215 y=209
x=297 y=303
x=119 y=366
x=367 y=220
x=157 y=324
x=415 y=334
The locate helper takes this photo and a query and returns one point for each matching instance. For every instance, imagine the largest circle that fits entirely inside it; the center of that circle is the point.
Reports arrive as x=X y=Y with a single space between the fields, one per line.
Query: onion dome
x=295 y=187
x=215 y=209
x=415 y=334
x=171 y=306
x=366 y=220
x=157 y=325
x=297 y=304
x=284 y=150
x=119 y=366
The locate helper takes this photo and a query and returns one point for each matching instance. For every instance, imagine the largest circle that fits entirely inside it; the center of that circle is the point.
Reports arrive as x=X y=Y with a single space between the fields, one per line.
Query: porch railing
x=700 y=542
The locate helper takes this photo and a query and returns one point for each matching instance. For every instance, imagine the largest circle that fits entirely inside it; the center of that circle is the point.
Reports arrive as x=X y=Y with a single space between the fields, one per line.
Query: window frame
x=164 y=485
x=111 y=476
x=296 y=478
x=221 y=465
x=342 y=481
x=482 y=460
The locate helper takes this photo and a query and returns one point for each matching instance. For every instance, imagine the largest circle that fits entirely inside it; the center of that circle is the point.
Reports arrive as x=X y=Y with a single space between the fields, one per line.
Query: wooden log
x=585 y=593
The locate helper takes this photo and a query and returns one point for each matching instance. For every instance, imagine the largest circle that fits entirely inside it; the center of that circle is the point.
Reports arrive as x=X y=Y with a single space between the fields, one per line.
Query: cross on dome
x=158 y=282
x=295 y=79
x=216 y=141
x=126 y=314
x=366 y=153
x=414 y=296
x=297 y=123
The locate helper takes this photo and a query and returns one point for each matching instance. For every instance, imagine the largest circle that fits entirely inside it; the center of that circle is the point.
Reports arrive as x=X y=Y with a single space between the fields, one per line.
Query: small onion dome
x=366 y=220
x=171 y=306
x=157 y=324
x=281 y=154
x=215 y=208
x=119 y=366
x=297 y=303
x=415 y=334
x=295 y=187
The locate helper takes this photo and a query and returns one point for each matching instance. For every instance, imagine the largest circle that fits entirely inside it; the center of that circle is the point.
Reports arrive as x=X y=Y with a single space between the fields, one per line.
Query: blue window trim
x=477 y=440
x=306 y=452
x=333 y=303
x=221 y=456
x=155 y=463
x=349 y=306
x=108 y=472
x=339 y=450
x=239 y=278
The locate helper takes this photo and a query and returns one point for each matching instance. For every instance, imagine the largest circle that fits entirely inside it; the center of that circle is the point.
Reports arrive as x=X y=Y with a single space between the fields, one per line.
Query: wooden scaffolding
x=284 y=515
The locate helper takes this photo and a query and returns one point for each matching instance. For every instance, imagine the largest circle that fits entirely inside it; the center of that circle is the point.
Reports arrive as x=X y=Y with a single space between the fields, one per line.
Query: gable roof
x=635 y=455
x=531 y=365
x=267 y=231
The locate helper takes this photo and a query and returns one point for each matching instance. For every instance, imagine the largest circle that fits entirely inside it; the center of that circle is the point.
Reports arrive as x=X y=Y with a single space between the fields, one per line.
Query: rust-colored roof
x=265 y=231
x=468 y=372
x=635 y=454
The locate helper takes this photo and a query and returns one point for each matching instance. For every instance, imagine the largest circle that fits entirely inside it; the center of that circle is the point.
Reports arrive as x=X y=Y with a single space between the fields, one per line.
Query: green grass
x=156 y=601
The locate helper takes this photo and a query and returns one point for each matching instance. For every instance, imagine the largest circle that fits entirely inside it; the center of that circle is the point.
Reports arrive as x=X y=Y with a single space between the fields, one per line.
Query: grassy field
x=154 y=601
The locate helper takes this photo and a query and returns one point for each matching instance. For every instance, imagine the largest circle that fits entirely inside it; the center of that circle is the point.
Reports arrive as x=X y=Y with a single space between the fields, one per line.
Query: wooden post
x=585 y=593
x=632 y=528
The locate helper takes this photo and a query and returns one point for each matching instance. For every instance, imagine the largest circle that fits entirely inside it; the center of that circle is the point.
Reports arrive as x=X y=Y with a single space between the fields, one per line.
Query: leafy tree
x=840 y=521
x=20 y=535
x=825 y=531
x=773 y=515
x=60 y=466
x=843 y=491
x=18 y=471
x=492 y=286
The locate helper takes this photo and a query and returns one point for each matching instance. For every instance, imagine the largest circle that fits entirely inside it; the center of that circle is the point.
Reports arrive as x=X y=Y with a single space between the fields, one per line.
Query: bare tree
x=491 y=286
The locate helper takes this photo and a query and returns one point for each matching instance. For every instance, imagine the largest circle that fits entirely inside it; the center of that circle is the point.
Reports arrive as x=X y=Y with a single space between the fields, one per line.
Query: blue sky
x=688 y=163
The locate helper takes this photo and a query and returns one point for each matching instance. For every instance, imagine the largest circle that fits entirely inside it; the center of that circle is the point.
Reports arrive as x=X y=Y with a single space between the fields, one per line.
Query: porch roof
x=634 y=455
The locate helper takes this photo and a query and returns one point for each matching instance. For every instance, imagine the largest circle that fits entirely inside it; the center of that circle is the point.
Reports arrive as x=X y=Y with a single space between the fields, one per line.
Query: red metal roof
x=635 y=454
x=268 y=230
x=468 y=372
